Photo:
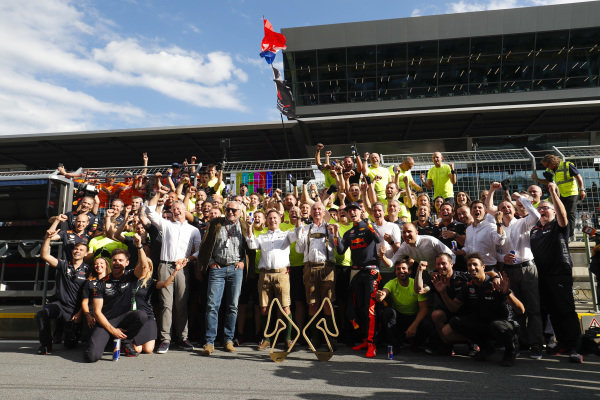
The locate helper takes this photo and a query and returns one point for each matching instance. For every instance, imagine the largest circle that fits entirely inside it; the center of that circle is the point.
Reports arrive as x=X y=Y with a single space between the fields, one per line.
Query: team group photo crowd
x=408 y=264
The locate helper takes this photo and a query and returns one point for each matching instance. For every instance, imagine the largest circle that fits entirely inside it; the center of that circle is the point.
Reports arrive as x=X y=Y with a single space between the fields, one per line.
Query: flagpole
x=287 y=146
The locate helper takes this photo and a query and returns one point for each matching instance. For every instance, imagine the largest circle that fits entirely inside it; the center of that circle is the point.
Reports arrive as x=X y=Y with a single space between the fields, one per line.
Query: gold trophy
x=280 y=325
x=321 y=325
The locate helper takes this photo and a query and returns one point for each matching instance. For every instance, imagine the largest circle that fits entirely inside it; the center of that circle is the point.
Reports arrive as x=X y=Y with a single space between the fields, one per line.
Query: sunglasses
x=233 y=210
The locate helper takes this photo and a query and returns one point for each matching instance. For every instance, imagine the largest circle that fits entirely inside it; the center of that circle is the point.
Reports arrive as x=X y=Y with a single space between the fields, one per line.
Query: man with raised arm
x=180 y=243
x=70 y=278
x=519 y=265
x=489 y=305
x=442 y=177
x=317 y=242
x=113 y=311
x=406 y=310
x=550 y=248
x=274 y=267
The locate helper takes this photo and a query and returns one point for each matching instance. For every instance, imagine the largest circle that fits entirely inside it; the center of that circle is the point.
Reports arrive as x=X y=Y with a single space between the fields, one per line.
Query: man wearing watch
x=180 y=244
x=490 y=305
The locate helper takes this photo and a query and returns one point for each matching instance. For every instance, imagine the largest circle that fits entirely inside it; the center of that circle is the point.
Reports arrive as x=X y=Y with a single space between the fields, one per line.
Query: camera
x=86 y=189
x=549 y=176
x=505 y=184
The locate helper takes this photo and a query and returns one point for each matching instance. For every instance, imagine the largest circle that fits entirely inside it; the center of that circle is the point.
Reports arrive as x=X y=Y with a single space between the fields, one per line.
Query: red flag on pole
x=272 y=41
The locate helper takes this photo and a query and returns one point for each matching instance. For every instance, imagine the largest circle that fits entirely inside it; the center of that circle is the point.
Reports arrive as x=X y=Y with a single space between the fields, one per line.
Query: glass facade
x=453 y=67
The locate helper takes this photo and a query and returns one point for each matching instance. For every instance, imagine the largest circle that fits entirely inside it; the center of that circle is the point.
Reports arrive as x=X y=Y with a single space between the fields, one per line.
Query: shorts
x=274 y=284
x=318 y=282
x=297 y=291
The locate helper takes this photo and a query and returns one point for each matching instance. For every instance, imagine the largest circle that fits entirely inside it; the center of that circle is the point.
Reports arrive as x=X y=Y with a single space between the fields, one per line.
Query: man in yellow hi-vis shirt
x=569 y=182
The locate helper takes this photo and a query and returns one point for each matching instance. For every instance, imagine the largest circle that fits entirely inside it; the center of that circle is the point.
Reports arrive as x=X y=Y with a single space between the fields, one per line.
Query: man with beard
x=489 y=308
x=404 y=316
x=441 y=312
x=112 y=309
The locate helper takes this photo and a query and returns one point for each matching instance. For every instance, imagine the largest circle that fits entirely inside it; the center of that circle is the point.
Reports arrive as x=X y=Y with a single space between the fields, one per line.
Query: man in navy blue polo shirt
x=70 y=278
x=113 y=309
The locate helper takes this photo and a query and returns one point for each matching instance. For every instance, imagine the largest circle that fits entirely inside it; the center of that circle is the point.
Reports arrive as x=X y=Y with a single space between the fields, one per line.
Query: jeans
x=229 y=280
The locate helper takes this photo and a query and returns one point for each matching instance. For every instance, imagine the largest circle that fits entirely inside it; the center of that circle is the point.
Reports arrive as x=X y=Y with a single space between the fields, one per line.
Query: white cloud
x=468 y=6
x=55 y=50
x=415 y=13
x=194 y=28
x=129 y=57
x=28 y=105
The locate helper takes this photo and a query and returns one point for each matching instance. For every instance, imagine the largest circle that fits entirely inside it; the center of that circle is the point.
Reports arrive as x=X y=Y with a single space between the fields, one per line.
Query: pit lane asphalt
x=250 y=374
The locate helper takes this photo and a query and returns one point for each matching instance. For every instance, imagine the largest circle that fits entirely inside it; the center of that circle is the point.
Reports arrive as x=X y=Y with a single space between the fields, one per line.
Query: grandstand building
x=526 y=77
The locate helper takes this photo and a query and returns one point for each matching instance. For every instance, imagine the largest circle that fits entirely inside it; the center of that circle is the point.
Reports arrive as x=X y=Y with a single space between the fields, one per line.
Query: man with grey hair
x=180 y=244
x=222 y=257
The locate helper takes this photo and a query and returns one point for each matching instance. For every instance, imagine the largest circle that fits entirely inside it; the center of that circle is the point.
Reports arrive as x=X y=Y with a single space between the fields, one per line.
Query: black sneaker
x=45 y=350
x=575 y=357
x=129 y=350
x=473 y=350
x=163 y=348
x=535 y=352
x=186 y=345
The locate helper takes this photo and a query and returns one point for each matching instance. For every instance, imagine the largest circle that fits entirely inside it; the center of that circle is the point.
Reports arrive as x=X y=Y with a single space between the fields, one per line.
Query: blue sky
x=118 y=64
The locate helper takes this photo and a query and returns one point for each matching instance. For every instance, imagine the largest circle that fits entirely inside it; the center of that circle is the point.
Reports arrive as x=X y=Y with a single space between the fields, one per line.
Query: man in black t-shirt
x=70 y=278
x=87 y=206
x=113 y=309
x=438 y=299
x=423 y=224
x=450 y=230
x=489 y=305
x=550 y=248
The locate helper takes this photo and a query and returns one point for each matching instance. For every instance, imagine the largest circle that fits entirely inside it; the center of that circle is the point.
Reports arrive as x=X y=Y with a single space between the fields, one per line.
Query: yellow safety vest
x=567 y=185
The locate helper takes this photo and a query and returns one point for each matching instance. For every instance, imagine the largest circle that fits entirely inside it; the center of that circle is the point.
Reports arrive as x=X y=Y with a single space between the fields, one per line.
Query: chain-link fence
x=587 y=161
x=476 y=170
x=269 y=175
